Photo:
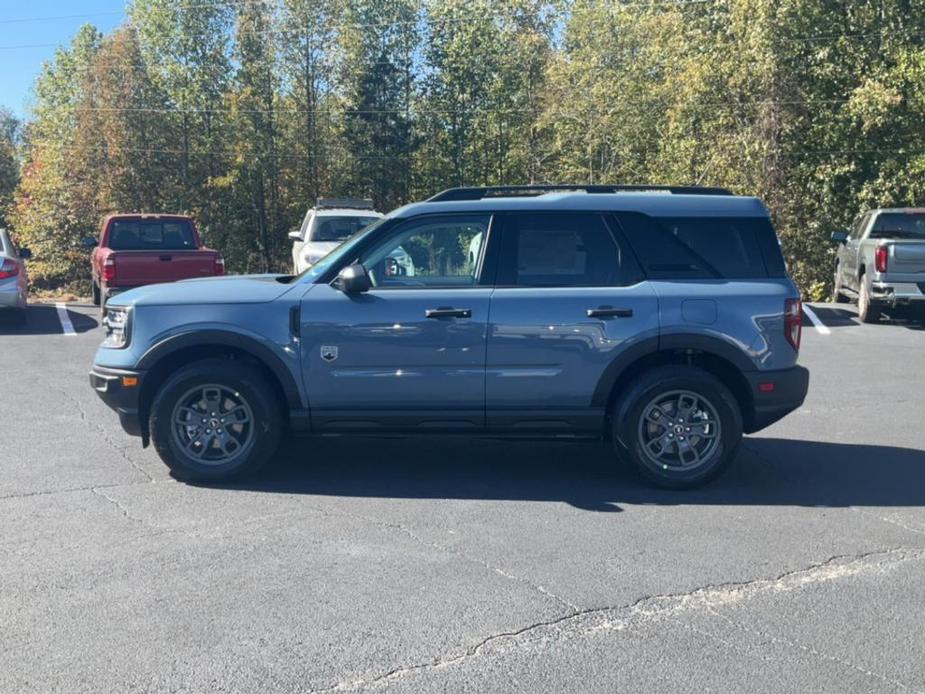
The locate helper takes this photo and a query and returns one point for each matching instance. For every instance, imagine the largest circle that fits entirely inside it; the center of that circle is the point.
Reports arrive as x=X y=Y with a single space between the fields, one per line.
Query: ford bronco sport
x=661 y=319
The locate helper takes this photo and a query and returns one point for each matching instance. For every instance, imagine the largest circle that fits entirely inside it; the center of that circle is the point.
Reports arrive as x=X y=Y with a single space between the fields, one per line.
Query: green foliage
x=244 y=113
x=9 y=165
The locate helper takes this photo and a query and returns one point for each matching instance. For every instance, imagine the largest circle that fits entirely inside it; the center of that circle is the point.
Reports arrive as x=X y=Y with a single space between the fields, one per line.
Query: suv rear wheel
x=215 y=420
x=678 y=425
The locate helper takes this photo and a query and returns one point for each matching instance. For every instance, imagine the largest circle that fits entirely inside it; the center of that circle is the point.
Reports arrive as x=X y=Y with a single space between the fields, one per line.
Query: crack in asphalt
x=887 y=519
x=66 y=490
x=408 y=532
x=649 y=608
x=103 y=433
x=98 y=491
x=808 y=649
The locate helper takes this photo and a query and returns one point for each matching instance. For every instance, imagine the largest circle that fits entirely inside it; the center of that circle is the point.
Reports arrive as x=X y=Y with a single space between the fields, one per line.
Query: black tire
x=250 y=387
x=868 y=311
x=629 y=426
x=95 y=294
x=837 y=295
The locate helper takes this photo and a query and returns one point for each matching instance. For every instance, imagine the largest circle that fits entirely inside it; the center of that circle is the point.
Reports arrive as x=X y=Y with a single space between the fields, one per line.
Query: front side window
x=429 y=252
x=151 y=235
x=857 y=229
x=561 y=250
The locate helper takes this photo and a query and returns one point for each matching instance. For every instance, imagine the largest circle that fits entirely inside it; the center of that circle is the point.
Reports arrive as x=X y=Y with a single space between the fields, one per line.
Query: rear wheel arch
x=703 y=353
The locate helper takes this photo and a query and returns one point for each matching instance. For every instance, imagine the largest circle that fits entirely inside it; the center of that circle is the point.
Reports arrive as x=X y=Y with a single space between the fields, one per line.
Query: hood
x=232 y=289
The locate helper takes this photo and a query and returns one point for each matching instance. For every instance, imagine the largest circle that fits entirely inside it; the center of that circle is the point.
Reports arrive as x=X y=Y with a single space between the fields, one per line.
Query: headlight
x=118 y=327
x=312 y=258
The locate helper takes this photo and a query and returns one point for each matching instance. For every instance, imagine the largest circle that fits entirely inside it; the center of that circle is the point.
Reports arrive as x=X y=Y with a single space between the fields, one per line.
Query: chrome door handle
x=445 y=312
x=610 y=312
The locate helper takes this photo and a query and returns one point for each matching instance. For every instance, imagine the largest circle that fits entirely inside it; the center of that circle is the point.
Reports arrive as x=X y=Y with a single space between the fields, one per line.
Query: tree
x=50 y=213
x=377 y=38
x=9 y=162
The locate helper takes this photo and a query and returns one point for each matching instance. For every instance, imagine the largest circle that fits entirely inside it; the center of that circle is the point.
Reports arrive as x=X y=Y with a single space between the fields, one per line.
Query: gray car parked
x=662 y=320
x=14 y=282
x=881 y=262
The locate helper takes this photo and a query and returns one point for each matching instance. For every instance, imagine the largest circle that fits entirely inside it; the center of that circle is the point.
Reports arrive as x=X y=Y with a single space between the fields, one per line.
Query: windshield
x=899 y=225
x=334 y=256
x=337 y=229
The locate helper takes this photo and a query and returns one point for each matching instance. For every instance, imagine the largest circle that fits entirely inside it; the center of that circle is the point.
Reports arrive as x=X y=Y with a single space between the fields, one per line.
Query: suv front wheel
x=678 y=425
x=215 y=420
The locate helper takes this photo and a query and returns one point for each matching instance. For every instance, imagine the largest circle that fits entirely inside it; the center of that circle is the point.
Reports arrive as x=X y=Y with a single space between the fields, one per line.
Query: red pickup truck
x=138 y=249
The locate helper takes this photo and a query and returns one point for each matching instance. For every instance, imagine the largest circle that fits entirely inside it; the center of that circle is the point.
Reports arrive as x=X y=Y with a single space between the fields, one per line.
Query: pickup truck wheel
x=679 y=426
x=868 y=312
x=215 y=420
x=95 y=294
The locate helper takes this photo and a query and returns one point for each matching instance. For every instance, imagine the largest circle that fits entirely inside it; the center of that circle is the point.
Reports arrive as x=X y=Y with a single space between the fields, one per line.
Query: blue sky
x=25 y=45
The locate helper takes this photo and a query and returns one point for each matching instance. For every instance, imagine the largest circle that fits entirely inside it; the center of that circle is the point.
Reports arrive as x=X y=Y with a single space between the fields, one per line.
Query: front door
x=570 y=299
x=409 y=353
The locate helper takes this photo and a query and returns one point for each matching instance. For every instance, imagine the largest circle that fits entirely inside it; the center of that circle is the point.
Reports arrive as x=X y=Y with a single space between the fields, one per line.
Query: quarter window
x=703 y=248
x=561 y=250
x=431 y=252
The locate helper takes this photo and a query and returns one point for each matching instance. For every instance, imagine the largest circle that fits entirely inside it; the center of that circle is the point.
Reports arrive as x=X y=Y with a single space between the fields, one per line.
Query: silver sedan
x=13 y=278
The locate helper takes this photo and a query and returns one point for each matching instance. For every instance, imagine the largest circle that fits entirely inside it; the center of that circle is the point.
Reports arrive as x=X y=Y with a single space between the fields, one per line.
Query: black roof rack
x=347 y=203
x=454 y=194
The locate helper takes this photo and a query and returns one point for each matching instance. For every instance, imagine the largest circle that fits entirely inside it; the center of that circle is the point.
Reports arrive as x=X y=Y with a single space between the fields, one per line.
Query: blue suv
x=661 y=319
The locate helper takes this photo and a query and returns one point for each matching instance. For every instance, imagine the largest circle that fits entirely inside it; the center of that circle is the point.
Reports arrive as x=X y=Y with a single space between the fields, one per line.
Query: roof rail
x=348 y=203
x=455 y=194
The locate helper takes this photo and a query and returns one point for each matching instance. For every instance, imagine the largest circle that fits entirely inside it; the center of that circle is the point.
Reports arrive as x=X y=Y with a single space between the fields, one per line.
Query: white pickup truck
x=881 y=261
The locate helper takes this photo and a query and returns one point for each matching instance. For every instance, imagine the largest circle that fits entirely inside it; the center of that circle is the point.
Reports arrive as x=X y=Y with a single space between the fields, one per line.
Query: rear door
x=569 y=299
x=148 y=251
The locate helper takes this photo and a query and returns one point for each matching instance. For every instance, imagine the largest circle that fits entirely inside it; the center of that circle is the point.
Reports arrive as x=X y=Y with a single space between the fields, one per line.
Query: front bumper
x=113 y=387
x=775 y=394
x=897 y=292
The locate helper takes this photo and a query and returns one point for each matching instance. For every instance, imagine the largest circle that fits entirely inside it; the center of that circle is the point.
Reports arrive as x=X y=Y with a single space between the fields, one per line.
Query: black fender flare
x=224 y=338
x=672 y=342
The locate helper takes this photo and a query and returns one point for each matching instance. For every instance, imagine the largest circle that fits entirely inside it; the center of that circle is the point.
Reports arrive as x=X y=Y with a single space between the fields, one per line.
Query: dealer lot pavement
x=466 y=566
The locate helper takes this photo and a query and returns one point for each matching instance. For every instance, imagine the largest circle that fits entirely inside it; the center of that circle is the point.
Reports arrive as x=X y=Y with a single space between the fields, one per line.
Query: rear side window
x=151 y=235
x=562 y=250
x=704 y=247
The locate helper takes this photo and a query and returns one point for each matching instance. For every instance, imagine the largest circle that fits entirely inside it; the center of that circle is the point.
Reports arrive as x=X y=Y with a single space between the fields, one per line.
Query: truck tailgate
x=908 y=257
x=149 y=267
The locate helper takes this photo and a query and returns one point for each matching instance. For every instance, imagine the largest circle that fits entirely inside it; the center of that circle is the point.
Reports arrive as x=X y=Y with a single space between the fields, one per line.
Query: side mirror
x=839 y=236
x=353 y=279
x=25 y=253
x=295 y=235
x=89 y=242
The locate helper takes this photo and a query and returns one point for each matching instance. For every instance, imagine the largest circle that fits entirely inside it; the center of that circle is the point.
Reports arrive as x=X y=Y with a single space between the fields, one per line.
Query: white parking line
x=66 y=324
x=814 y=319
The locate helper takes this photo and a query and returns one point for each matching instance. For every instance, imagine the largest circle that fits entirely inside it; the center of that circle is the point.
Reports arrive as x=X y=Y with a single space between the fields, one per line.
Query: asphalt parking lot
x=481 y=566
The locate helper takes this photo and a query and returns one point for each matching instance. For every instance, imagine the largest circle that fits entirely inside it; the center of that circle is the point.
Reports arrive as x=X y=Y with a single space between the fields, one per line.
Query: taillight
x=793 y=322
x=219 y=268
x=9 y=268
x=109 y=269
x=881 y=257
